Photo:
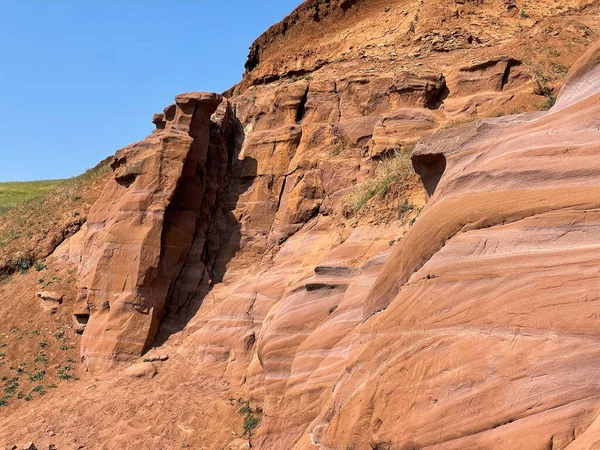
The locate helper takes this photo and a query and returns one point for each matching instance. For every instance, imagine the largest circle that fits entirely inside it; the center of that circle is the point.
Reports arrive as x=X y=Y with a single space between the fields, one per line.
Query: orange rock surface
x=224 y=243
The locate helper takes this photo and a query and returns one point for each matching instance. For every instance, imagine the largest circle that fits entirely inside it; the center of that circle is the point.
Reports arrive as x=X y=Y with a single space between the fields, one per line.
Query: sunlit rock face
x=474 y=327
x=140 y=231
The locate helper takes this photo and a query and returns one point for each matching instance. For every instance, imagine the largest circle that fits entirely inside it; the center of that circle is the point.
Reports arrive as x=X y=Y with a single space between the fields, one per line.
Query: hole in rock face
x=249 y=341
x=302 y=108
x=81 y=320
x=347 y=4
x=430 y=168
x=126 y=180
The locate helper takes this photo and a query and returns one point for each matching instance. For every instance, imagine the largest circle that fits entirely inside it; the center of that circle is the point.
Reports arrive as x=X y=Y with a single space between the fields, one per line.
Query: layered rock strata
x=141 y=230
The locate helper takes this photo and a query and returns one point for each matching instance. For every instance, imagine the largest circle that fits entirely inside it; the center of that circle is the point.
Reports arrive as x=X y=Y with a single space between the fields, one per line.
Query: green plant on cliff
x=250 y=421
x=390 y=171
x=543 y=88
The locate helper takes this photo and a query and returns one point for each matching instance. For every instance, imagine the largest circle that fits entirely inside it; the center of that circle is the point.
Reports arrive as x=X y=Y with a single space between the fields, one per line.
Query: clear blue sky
x=81 y=78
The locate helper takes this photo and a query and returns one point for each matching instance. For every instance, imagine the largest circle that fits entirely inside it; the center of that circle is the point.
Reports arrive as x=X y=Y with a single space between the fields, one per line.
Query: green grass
x=15 y=193
x=36 y=216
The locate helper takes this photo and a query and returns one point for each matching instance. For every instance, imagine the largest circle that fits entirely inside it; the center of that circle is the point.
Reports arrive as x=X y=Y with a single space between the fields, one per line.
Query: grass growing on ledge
x=391 y=170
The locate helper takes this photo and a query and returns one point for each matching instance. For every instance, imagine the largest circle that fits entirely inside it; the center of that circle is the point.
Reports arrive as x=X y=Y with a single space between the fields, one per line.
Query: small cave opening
x=507 y=71
x=347 y=4
x=430 y=167
x=81 y=320
x=126 y=180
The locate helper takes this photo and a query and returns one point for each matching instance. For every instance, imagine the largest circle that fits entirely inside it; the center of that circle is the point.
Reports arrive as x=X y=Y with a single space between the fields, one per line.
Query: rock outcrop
x=486 y=329
x=454 y=312
x=141 y=230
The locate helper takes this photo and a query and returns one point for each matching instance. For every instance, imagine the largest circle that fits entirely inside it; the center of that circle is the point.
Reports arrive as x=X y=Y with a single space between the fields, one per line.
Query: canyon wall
x=457 y=310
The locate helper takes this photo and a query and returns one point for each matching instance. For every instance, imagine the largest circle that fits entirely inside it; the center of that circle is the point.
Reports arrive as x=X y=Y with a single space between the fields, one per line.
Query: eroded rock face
x=231 y=231
x=138 y=233
x=477 y=329
x=480 y=329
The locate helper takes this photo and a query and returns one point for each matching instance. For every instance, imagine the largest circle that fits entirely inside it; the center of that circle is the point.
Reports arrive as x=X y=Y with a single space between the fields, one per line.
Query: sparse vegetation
x=15 y=193
x=391 y=170
x=36 y=216
x=250 y=421
x=457 y=123
x=59 y=334
x=543 y=88
x=37 y=376
x=332 y=309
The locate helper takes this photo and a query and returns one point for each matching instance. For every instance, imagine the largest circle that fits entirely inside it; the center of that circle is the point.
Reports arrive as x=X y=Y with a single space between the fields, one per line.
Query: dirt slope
x=280 y=253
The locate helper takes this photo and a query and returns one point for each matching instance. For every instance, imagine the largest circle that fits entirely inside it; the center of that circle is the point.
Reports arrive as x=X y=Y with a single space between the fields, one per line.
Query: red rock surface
x=135 y=246
x=223 y=241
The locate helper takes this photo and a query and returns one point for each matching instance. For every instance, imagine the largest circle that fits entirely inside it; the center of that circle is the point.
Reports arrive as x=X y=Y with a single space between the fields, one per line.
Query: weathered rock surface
x=138 y=235
x=50 y=300
x=141 y=370
x=477 y=315
x=221 y=240
x=486 y=329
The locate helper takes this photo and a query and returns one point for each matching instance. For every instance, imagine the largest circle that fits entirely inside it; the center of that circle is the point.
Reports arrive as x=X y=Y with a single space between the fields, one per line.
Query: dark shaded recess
x=434 y=97
x=249 y=341
x=82 y=320
x=126 y=180
x=302 y=107
x=430 y=167
x=511 y=63
x=347 y=4
x=253 y=58
x=442 y=95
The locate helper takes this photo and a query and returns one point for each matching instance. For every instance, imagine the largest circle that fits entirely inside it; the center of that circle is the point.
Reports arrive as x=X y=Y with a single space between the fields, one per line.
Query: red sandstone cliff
x=224 y=240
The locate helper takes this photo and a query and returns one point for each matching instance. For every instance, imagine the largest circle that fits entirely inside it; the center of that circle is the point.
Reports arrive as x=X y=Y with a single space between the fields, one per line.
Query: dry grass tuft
x=390 y=172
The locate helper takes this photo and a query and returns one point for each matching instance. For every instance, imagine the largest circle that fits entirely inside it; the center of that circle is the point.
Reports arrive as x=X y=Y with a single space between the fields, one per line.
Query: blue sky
x=80 y=79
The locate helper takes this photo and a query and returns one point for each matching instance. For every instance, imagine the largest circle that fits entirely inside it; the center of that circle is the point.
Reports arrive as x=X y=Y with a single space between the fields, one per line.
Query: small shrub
x=39 y=389
x=42 y=359
x=39 y=266
x=332 y=309
x=38 y=376
x=63 y=375
x=549 y=103
x=250 y=421
x=23 y=265
x=12 y=386
x=543 y=88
